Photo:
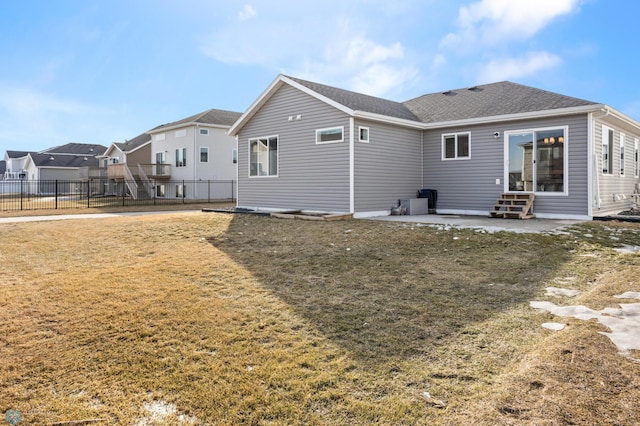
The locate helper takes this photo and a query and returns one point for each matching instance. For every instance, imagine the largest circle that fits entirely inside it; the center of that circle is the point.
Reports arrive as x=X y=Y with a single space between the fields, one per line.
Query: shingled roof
x=134 y=143
x=76 y=149
x=17 y=154
x=360 y=102
x=488 y=100
x=64 y=160
x=211 y=116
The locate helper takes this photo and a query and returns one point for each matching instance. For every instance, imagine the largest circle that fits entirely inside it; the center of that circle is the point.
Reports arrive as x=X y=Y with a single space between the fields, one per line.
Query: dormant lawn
x=208 y=318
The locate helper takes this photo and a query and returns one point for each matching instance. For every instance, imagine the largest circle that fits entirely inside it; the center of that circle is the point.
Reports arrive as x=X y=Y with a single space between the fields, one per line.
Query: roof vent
x=475 y=89
x=448 y=92
x=51 y=158
x=85 y=158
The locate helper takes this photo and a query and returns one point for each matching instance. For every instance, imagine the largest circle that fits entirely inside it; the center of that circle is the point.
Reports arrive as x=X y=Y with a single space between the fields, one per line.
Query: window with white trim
x=456 y=146
x=607 y=150
x=330 y=135
x=621 y=154
x=234 y=156
x=181 y=157
x=159 y=137
x=364 y=134
x=160 y=190
x=204 y=154
x=181 y=191
x=204 y=131
x=263 y=156
x=636 y=160
x=181 y=133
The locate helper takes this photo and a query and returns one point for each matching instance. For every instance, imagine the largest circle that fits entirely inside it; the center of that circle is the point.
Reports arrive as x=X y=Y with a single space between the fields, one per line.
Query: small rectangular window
x=160 y=190
x=621 y=154
x=636 y=160
x=204 y=154
x=455 y=146
x=181 y=191
x=234 y=156
x=204 y=131
x=607 y=150
x=364 y=134
x=160 y=137
x=331 y=135
x=181 y=133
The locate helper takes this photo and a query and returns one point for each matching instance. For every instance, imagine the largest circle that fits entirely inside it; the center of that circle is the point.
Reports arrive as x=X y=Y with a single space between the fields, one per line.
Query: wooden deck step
x=513 y=206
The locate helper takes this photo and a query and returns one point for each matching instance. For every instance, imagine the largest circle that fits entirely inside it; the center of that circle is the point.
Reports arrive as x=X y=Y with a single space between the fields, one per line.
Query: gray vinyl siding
x=469 y=185
x=310 y=176
x=613 y=187
x=388 y=168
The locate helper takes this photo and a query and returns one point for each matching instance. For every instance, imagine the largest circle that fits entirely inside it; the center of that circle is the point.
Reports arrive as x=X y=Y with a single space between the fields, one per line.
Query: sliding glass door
x=536 y=160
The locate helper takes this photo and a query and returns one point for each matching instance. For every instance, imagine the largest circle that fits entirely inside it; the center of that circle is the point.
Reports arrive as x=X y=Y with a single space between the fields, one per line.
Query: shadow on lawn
x=388 y=291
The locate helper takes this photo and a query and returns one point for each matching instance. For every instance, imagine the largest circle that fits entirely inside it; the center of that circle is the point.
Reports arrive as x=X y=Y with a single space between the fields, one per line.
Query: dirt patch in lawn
x=207 y=318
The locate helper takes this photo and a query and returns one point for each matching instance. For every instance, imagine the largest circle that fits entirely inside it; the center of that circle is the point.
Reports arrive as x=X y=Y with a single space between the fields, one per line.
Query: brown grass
x=233 y=319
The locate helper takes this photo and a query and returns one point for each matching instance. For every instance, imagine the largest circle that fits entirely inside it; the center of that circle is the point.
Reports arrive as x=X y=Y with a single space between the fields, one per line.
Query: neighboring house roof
x=17 y=154
x=63 y=160
x=504 y=98
x=135 y=143
x=212 y=117
x=76 y=149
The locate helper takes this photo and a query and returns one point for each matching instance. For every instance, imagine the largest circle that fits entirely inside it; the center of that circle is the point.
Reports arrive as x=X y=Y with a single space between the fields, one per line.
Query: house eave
x=270 y=91
x=183 y=125
x=515 y=117
x=388 y=119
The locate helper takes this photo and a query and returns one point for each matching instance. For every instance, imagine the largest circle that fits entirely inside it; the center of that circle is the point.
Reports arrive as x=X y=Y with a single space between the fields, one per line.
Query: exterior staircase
x=513 y=206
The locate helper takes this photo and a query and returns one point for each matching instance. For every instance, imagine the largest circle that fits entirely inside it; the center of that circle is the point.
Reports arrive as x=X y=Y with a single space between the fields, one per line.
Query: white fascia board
x=269 y=91
x=622 y=117
x=387 y=119
x=110 y=149
x=255 y=106
x=515 y=117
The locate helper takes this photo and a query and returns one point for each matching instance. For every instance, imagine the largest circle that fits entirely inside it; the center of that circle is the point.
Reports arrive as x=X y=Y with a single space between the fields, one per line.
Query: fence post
x=55 y=196
x=21 y=193
x=124 y=185
x=88 y=193
x=208 y=191
x=184 y=192
x=233 y=192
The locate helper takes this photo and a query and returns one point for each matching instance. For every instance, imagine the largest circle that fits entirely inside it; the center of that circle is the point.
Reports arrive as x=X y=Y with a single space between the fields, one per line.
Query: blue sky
x=103 y=71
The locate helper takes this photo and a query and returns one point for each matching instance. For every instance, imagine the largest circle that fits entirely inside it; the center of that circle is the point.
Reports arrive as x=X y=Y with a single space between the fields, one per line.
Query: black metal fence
x=98 y=193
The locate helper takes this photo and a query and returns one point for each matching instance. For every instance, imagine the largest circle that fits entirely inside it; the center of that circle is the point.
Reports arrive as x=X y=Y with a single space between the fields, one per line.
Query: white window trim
x=203 y=132
x=318 y=131
x=360 y=129
x=249 y=158
x=605 y=131
x=622 y=165
x=180 y=133
x=565 y=163
x=160 y=137
x=200 y=152
x=444 y=152
x=636 y=158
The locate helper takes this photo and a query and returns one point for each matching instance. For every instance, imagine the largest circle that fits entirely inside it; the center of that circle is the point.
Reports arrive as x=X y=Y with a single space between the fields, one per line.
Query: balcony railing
x=154 y=171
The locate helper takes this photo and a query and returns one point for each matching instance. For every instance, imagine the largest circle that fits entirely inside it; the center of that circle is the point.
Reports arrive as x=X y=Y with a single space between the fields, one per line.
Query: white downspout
x=593 y=169
x=351 y=166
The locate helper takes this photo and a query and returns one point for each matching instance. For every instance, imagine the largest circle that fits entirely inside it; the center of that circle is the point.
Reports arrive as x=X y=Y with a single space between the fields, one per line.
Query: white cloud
x=247 y=12
x=331 y=50
x=491 y=22
x=515 y=68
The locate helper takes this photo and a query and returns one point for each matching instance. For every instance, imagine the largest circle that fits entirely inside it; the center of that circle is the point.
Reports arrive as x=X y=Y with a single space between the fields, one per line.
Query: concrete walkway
x=485 y=223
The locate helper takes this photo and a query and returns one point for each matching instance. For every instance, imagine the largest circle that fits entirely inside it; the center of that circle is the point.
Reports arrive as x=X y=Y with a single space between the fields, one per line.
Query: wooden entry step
x=513 y=206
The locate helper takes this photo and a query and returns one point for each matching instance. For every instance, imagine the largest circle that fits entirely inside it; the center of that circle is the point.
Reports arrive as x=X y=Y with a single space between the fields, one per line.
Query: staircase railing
x=145 y=180
x=131 y=181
